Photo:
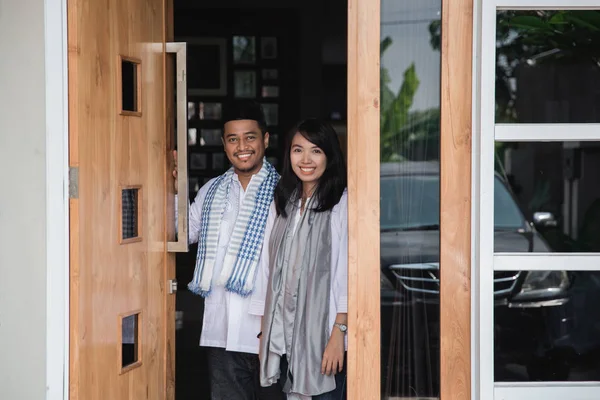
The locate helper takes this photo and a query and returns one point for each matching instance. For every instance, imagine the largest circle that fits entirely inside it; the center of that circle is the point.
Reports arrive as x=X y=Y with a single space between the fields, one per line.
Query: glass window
x=547 y=326
x=555 y=185
x=547 y=66
x=410 y=198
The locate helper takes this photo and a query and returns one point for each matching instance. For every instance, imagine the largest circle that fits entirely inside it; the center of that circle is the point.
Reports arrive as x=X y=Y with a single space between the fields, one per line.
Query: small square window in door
x=130 y=86
x=130 y=214
x=130 y=341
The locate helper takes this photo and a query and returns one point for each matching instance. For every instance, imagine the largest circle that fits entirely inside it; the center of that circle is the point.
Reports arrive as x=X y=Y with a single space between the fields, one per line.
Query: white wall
x=22 y=200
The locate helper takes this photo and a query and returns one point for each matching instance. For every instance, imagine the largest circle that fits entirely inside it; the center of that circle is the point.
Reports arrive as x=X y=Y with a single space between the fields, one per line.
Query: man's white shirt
x=230 y=320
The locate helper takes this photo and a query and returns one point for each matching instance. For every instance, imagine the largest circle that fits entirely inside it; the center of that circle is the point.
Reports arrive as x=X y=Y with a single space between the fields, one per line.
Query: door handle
x=180 y=51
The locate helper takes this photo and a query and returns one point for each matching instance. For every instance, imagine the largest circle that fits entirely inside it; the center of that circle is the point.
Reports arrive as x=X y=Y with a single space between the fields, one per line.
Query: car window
x=506 y=212
x=410 y=202
x=413 y=202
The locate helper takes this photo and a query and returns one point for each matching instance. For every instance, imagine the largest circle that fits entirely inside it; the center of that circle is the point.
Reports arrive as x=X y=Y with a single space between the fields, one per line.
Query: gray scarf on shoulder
x=309 y=254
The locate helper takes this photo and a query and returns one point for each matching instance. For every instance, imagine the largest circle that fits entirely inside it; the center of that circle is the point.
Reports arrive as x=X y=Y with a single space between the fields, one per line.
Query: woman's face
x=308 y=160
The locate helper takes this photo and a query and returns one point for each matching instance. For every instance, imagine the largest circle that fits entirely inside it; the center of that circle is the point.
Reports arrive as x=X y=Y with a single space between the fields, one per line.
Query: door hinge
x=73 y=182
x=172 y=283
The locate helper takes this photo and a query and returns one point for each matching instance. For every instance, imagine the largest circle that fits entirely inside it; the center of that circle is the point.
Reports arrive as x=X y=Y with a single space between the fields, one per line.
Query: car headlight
x=540 y=285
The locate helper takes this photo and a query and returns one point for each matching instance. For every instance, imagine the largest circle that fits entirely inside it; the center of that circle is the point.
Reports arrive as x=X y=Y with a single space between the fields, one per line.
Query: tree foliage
x=395 y=108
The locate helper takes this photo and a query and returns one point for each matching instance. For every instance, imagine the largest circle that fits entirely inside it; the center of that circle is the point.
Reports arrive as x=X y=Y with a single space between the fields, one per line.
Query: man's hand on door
x=175 y=170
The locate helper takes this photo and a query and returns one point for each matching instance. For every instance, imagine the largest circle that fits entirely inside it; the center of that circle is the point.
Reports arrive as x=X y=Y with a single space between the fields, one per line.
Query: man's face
x=245 y=145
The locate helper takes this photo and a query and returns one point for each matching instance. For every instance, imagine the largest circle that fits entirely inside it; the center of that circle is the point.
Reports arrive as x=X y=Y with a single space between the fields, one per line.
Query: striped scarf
x=243 y=253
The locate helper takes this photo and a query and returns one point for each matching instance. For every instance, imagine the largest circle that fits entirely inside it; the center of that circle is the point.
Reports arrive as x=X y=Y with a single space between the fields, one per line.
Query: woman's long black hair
x=332 y=183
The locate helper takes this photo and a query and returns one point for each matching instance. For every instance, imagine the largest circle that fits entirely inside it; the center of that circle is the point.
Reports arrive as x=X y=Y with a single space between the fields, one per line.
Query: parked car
x=539 y=321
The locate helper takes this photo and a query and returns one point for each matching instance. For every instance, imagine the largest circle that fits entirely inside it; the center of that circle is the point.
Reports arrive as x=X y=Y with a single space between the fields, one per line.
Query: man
x=231 y=219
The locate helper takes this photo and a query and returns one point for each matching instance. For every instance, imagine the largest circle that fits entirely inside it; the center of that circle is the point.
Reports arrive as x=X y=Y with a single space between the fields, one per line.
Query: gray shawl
x=305 y=253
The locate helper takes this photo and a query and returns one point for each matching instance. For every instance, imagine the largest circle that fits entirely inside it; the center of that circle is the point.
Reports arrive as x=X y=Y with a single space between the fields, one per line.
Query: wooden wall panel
x=363 y=200
x=455 y=212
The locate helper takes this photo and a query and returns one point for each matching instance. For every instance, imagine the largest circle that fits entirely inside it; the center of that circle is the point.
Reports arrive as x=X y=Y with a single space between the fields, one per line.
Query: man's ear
x=266 y=139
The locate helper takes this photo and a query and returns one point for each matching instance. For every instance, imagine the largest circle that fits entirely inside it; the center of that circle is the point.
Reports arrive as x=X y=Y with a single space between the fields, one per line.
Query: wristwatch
x=342 y=327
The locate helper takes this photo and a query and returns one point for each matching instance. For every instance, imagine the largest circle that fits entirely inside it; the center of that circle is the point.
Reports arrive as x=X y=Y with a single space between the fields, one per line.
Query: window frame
x=482 y=235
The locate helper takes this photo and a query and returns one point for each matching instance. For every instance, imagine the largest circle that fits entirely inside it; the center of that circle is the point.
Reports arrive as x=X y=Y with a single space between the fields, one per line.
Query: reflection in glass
x=555 y=185
x=547 y=66
x=547 y=323
x=410 y=132
x=547 y=328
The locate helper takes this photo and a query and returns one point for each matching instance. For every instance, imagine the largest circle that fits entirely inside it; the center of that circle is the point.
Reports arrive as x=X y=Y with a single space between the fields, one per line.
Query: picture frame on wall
x=269 y=91
x=244 y=84
x=210 y=111
x=191 y=110
x=210 y=137
x=268 y=48
x=198 y=161
x=270 y=74
x=218 y=161
x=271 y=111
x=192 y=136
x=244 y=49
x=206 y=66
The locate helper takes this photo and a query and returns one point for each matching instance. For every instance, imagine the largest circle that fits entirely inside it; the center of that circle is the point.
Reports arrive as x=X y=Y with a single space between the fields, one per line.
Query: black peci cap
x=245 y=109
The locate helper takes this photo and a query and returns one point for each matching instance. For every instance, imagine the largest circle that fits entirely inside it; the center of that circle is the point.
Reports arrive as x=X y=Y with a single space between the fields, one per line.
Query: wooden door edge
x=364 y=380
x=455 y=199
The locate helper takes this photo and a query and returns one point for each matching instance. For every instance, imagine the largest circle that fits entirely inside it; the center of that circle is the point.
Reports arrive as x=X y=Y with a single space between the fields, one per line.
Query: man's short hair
x=245 y=109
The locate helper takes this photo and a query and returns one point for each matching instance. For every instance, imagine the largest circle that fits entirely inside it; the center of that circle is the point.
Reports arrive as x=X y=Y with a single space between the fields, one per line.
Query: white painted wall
x=32 y=202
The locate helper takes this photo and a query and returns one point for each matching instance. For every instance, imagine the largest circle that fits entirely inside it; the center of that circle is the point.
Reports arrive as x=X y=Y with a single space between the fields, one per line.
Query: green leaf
x=590 y=16
x=558 y=19
x=528 y=22
x=385 y=43
x=582 y=23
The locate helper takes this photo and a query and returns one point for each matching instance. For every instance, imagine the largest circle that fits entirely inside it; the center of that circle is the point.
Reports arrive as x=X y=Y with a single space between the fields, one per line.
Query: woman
x=303 y=339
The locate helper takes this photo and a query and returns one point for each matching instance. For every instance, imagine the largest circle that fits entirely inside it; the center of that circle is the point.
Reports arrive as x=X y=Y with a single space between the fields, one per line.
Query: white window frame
x=57 y=200
x=483 y=255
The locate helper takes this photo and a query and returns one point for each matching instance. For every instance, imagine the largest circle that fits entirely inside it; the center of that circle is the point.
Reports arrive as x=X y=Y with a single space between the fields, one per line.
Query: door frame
x=57 y=200
x=364 y=380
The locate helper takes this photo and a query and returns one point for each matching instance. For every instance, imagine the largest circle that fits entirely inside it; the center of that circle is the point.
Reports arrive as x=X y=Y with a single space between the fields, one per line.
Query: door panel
x=112 y=275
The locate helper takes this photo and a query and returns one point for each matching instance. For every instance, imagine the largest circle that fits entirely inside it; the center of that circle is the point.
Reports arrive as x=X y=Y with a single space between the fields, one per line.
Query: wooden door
x=118 y=217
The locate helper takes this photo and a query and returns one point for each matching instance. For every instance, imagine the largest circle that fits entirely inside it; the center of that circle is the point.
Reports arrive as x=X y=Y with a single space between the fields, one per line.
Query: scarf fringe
x=196 y=289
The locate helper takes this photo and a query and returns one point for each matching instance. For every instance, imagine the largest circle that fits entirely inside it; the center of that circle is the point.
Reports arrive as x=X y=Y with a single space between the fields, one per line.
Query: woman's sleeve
x=340 y=260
